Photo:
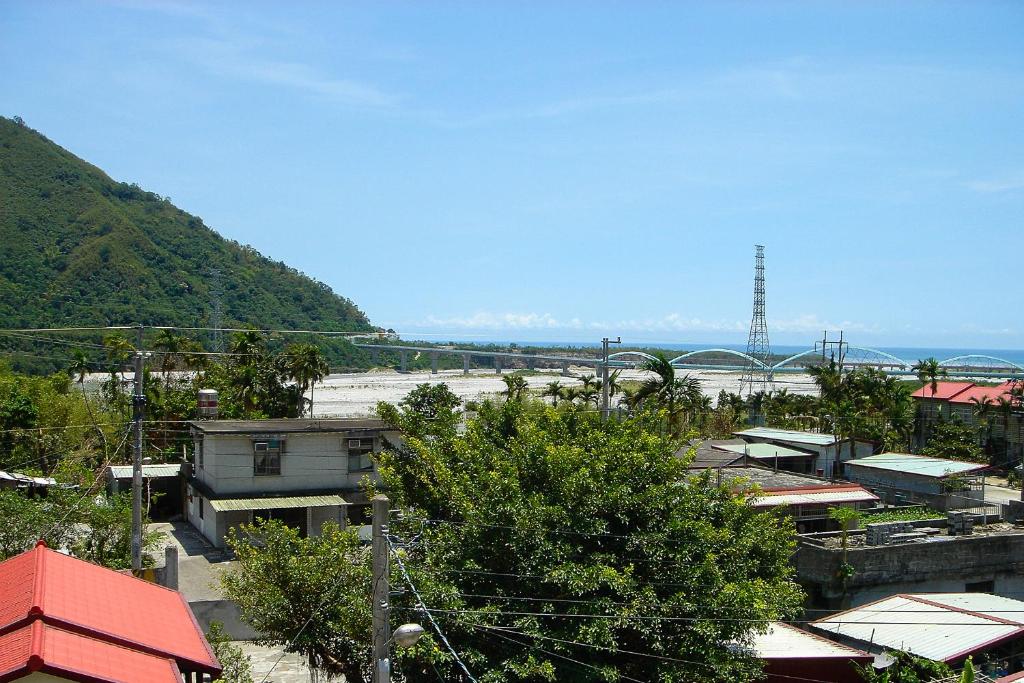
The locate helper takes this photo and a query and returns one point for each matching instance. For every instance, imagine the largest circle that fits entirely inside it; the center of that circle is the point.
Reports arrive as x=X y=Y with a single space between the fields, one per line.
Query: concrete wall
x=825 y=456
x=207 y=525
x=321 y=515
x=946 y=565
x=309 y=462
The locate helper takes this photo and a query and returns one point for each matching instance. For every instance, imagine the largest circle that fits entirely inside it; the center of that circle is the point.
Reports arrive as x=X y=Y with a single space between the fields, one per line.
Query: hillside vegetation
x=80 y=249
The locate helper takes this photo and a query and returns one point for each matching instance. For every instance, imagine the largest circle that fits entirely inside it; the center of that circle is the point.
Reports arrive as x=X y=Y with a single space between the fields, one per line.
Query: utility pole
x=830 y=348
x=138 y=413
x=605 y=408
x=381 y=635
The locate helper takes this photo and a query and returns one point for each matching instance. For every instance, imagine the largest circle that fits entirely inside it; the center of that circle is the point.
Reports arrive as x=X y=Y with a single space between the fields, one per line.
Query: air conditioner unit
x=260 y=447
x=355 y=443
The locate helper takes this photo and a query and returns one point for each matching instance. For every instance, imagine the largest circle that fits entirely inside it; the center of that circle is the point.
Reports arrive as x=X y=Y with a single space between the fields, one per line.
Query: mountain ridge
x=78 y=248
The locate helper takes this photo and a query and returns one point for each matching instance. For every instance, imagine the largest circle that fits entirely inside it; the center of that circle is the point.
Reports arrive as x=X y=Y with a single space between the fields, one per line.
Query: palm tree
x=929 y=371
x=1005 y=406
x=515 y=387
x=174 y=346
x=662 y=387
x=981 y=408
x=305 y=364
x=79 y=365
x=829 y=379
x=555 y=390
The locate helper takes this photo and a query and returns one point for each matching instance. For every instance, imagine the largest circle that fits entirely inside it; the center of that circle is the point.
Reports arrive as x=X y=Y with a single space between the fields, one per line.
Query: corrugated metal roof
x=241 y=504
x=788 y=435
x=783 y=641
x=940 y=626
x=765 y=450
x=817 y=497
x=943 y=390
x=915 y=464
x=148 y=471
x=287 y=426
x=26 y=479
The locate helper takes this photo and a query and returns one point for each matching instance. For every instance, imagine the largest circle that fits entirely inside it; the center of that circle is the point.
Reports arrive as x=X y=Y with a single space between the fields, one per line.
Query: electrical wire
x=424 y=610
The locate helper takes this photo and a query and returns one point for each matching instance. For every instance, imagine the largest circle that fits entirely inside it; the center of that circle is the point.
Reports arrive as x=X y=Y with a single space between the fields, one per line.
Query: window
x=359 y=454
x=200 y=499
x=980 y=587
x=199 y=453
x=266 y=457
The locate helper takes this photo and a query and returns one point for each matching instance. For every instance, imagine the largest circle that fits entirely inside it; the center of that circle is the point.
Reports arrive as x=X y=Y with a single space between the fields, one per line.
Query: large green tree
x=564 y=549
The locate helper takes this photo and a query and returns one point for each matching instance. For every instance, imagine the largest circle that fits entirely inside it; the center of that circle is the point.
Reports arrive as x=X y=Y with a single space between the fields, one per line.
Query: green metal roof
x=243 y=504
x=915 y=464
x=792 y=435
x=765 y=450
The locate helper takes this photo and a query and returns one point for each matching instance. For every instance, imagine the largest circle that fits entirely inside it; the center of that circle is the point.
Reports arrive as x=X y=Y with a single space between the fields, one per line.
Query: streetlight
x=405 y=636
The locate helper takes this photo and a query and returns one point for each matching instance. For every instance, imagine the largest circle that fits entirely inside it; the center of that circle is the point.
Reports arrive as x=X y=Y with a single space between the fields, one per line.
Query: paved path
x=199 y=563
x=1000 y=494
x=290 y=668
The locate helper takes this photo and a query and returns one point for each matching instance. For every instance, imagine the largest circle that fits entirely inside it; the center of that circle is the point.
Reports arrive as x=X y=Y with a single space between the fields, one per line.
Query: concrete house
x=304 y=472
x=828 y=451
x=901 y=478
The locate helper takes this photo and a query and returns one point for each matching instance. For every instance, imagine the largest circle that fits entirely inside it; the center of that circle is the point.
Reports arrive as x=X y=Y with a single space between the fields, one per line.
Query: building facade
x=828 y=452
x=303 y=472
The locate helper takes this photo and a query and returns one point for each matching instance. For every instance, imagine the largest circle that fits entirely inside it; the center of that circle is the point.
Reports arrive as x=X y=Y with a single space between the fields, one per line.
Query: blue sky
x=567 y=170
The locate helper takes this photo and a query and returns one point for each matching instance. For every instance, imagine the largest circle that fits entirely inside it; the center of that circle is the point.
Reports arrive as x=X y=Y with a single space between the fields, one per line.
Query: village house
x=901 y=478
x=944 y=627
x=305 y=472
x=1000 y=423
x=827 y=450
x=792 y=654
x=64 y=619
x=806 y=498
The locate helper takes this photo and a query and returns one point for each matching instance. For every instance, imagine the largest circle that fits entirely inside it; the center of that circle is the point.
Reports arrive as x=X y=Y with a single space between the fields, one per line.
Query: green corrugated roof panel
x=765 y=450
x=916 y=464
x=244 y=504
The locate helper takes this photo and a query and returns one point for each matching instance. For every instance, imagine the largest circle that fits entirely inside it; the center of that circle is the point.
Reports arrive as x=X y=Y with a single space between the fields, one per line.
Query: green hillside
x=80 y=249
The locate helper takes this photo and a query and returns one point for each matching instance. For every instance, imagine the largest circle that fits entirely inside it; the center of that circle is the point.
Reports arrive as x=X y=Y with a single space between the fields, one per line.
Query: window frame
x=362 y=456
x=266 y=462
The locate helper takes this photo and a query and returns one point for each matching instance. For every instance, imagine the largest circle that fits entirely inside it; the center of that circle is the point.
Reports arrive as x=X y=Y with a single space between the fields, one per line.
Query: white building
x=304 y=472
x=828 y=451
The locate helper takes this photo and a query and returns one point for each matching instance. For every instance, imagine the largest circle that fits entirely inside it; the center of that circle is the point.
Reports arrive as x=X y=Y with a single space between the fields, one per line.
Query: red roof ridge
x=847 y=486
x=37 y=578
x=35 y=658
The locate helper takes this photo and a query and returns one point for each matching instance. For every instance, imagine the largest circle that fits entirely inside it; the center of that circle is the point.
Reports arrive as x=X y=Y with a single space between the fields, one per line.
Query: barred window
x=266 y=457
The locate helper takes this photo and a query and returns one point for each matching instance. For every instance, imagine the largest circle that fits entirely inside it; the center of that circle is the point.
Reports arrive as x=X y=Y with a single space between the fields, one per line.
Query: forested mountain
x=78 y=248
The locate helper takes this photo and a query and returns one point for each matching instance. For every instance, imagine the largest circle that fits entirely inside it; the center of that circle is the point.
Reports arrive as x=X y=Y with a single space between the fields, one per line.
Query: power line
x=560 y=656
x=423 y=608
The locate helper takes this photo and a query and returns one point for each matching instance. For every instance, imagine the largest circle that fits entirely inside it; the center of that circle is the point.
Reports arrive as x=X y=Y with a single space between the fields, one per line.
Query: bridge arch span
x=731 y=352
x=622 y=354
x=1003 y=361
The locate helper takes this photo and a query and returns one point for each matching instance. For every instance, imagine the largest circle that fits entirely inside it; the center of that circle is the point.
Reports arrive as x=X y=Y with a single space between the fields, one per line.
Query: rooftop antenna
x=757 y=376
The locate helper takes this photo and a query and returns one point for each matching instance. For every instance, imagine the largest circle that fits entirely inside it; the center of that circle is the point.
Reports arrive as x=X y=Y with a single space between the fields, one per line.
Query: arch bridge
x=729 y=360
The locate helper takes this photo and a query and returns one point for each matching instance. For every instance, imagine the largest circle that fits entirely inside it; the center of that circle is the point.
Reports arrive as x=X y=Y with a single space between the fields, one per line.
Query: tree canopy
x=561 y=548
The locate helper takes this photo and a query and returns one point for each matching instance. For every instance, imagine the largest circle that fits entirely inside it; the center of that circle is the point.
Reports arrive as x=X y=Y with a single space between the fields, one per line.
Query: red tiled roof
x=991 y=393
x=99 y=603
x=38 y=647
x=944 y=390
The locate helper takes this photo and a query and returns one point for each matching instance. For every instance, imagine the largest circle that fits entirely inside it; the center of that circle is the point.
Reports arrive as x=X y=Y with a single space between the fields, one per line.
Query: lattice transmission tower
x=755 y=377
x=216 y=314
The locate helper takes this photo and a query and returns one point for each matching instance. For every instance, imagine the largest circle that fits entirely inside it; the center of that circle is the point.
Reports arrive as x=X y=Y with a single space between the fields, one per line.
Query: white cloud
x=239 y=59
x=1008 y=183
x=671 y=322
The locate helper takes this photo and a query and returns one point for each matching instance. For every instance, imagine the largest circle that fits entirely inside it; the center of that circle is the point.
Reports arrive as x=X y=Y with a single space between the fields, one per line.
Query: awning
x=243 y=504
